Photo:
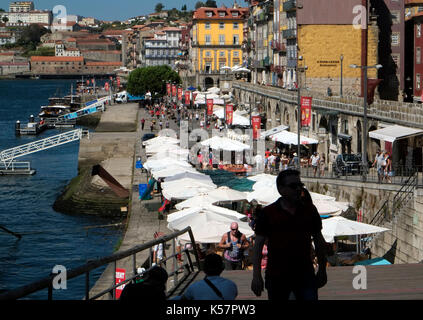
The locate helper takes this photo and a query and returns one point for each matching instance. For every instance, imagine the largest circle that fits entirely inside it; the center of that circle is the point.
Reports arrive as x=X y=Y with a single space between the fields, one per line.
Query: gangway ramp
x=90 y=108
x=8 y=156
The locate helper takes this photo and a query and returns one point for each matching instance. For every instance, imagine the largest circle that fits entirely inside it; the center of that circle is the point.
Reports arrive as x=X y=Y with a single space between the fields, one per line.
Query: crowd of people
x=276 y=160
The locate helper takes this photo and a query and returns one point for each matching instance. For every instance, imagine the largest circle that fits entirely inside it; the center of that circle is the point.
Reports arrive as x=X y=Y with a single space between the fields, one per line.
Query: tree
x=31 y=35
x=159 y=7
x=211 y=4
x=199 y=4
x=5 y=19
x=152 y=79
x=184 y=7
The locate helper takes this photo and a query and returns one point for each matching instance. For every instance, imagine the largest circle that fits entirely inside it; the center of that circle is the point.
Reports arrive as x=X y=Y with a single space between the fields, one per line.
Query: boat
x=53 y=111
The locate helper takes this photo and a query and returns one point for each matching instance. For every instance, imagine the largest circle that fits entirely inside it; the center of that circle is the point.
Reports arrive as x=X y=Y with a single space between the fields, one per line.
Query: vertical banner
x=180 y=94
x=256 y=124
x=106 y=86
x=305 y=111
x=187 y=97
x=194 y=95
x=173 y=90
x=120 y=277
x=118 y=81
x=209 y=103
x=169 y=89
x=88 y=82
x=229 y=113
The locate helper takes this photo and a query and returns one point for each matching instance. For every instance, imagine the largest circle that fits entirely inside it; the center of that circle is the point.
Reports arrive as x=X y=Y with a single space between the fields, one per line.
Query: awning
x=287 y=137
x=343 y=136
x=274 y=130
x=392 y=133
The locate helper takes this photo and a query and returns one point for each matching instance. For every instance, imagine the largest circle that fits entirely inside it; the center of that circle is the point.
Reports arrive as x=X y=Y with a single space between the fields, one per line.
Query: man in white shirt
x=315 y=162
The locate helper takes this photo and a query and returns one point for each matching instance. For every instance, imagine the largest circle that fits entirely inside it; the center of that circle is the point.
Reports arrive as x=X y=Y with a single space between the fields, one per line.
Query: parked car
x=347 y=164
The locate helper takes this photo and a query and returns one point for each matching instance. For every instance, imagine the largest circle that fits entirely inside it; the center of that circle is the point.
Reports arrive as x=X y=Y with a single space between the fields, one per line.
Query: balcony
x=289 y=33
x=278 y=46
x=217 y=44
x=290 y=5
x=266 y=62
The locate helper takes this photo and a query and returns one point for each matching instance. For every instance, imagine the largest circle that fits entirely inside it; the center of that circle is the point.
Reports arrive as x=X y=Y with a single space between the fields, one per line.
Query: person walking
x=322 y=165
x=234 y=243
x=213 y=286
x=142 y=123
x=289 y=225
x=314 y=160
x=388 y=167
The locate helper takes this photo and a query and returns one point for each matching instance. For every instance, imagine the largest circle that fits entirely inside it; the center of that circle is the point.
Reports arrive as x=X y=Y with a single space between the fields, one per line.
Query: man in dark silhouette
x=151 y=290
x=289 y=225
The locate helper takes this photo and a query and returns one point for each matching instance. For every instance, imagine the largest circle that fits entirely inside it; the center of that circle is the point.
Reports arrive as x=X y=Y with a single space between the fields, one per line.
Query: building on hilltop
x=217 y=35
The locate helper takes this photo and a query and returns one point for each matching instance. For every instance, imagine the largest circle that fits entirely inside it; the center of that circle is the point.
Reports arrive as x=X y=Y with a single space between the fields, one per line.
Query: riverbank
x=112 y=146
x=142 y=220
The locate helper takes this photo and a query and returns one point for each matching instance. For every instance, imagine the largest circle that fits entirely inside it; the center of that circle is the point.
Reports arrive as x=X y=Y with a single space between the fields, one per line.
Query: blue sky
x=115 y=9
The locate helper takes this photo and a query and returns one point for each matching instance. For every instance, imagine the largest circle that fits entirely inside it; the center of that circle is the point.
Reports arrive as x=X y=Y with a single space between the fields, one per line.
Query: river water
x=49 y=238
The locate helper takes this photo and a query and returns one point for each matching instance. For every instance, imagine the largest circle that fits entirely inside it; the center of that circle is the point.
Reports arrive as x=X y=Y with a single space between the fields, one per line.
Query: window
x=208 y=39
x=221 y=39
x=236 y=39
x=221 y=54
x=207 y=25
x=208 y=54
x=395 y=16
x=222 y=13
x=234 y=13
x=418 y=81
x=221 y=25
x=418 y=55
x=395 y=39
x=209 y=13
x=418 y=30
x=236 y=54
x=236 y=26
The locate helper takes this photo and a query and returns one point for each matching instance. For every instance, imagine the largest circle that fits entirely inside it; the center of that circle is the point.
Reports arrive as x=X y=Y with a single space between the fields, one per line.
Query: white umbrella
x=287 y=137
x=174 y=152
x=223 y=143
x=225 y=68
x=339 y=226
x=170 y=171
x=208 y=223
x=284 y=78
x=161 y=140
x=175 y=192
x=160 y=148
x=199 y=200
x=242 y=70
x=227 y=194
x=264 y=196
x=163 y=163
x=198 y=176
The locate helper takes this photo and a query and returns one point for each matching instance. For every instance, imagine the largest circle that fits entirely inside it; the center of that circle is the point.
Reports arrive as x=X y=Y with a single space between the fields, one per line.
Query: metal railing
x=84 y=270
x=400 y=175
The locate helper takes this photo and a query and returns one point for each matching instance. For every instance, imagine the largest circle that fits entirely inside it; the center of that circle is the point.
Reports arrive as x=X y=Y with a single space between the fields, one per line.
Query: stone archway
x=208 y=82
x=323 y=123
x=278 y=115
x=286 y=117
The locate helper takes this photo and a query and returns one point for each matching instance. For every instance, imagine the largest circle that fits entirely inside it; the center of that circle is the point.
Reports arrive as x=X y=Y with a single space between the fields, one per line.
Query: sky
x=114 y=9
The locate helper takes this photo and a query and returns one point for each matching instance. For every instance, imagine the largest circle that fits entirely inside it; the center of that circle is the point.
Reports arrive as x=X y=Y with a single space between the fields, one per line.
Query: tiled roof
x=56 y=59
x=103 y=63
x=201 y=13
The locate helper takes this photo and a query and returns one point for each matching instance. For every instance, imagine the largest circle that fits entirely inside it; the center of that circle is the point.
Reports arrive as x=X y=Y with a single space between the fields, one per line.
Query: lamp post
x=342 y=59
x=364 y=157
x=297 y=69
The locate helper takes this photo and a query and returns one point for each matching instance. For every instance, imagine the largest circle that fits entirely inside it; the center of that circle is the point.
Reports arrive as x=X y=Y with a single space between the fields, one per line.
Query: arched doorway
x=324 y=124
x=374 y=144
x=286 y=117
x=208 y=83
x=278 y=115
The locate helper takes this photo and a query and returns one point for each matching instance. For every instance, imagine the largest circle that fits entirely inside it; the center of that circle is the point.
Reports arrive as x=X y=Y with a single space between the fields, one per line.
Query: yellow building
x=217 y=35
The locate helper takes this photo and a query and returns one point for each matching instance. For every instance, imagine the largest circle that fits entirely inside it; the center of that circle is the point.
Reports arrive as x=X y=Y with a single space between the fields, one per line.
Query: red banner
x=256 y=124
x=371 y=86
x=173 y=90
x=209 y=103
x=187 y=97
x=106 y=86
x=305 y=111
x=229 y=113
x=168 y=89
x=118 y=81
x=180 y=94
x=120 y=277
x=193 y=96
